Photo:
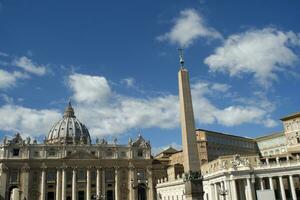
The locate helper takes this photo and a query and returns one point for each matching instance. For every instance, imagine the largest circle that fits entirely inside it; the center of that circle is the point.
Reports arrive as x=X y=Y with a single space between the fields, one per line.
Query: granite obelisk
x=191 y=162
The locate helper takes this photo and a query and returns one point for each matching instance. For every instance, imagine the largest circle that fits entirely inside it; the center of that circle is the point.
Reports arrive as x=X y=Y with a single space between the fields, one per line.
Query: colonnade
x=244 y=188
x=228 y=190
x=61 y=183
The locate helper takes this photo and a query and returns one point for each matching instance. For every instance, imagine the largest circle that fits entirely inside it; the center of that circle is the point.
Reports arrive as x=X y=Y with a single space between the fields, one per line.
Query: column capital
x=4 y=167
x=44 y=166
x=98 y=167
x=90 y=167
x=25 y=168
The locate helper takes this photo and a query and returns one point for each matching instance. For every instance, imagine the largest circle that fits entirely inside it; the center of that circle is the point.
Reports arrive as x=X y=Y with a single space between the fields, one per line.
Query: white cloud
x=207 y=113
x=8 y=79
x=262 y=53
x=120 y=113
x=3 y=54
x=26 y=120
x=129 y=82
x=189 y=27
x=29 y=66
x=89 y=89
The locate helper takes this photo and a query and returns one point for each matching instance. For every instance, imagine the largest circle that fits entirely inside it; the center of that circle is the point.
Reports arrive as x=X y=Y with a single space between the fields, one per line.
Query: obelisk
x=191 y=162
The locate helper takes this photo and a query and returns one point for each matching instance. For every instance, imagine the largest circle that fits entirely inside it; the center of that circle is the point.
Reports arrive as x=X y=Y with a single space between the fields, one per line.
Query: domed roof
x=69 y=130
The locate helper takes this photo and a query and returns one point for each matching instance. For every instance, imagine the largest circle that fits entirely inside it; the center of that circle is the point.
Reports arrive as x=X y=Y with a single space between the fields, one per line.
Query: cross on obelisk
x=191 y=163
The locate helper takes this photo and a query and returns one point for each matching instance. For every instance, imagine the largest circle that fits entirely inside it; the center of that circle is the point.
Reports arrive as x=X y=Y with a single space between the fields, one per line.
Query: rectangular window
x=51 y=175
x=51 y=152
x=123 y=154
x=140 y=153
x=36 y=154
x=14 y=176
x=16 y=152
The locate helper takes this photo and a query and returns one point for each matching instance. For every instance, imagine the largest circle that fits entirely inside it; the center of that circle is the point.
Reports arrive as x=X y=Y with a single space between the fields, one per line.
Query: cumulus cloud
x=9 y=79
x=89 y=89
x=263 y=53
x=188 y=27
x=109 y=113
x=121 y=113
x=26 y=120
x=207 y=113
x=29 y=66
x=129 y=82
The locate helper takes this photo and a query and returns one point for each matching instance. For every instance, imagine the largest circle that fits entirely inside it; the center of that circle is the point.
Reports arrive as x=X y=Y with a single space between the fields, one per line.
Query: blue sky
x=118 y=62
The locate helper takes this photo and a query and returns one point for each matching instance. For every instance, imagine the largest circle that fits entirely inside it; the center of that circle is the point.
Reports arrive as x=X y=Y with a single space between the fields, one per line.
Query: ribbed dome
x=69 y=130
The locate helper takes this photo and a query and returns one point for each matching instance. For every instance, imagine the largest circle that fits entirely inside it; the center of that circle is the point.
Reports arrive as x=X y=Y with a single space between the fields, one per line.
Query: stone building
x=68 y=166
x=242 y=168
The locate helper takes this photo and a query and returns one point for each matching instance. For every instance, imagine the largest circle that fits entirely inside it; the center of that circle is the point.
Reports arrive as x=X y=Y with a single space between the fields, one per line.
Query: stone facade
x=68 y=166
x=271 y=165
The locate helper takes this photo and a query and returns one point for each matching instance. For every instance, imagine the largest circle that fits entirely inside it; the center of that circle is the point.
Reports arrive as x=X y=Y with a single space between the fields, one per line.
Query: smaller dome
x=69 y=130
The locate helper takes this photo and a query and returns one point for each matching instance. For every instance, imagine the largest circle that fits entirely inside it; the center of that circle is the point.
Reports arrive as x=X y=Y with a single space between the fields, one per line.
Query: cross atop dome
x=69 y=111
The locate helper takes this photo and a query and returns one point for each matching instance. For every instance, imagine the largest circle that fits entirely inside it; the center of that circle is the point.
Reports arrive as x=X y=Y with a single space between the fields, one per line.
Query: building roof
x=291 y=116
x=269 y=136
x=227 y=134
x=169 y=150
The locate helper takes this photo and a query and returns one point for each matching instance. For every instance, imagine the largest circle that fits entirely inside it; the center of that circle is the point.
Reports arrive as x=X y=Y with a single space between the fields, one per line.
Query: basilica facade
x=68 y=166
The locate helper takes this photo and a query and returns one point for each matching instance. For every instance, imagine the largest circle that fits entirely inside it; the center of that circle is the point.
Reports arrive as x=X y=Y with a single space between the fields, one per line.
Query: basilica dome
x=69 y=130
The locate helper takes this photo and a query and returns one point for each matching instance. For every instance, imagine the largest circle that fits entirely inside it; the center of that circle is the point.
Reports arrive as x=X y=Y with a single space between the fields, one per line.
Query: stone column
x=117 y=184
x=282 y=191
x=98 y=182
x=43 y=184
x=227 y=188
x=222 y=189
x=293 y=187
x=131 y=180
x=74 y=184
x=234 y=191
x=88 y=184
x=216 y=191
x=3 y=180
x=63 y=183
x=58 y=184
x=271 y=183
x=150 y=183
x=25 y=182
x=103 y=192
x=249 y=189
x=210 y=192
x=261 y=181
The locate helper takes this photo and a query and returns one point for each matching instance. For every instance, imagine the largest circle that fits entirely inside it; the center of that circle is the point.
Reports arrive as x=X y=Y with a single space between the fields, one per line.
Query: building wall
x=211 y=145
x=272 y=145
x=23 y=163
x=292 y=131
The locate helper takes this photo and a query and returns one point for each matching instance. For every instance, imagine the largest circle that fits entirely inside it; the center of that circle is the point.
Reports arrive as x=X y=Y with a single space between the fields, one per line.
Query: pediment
x=81 y=155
